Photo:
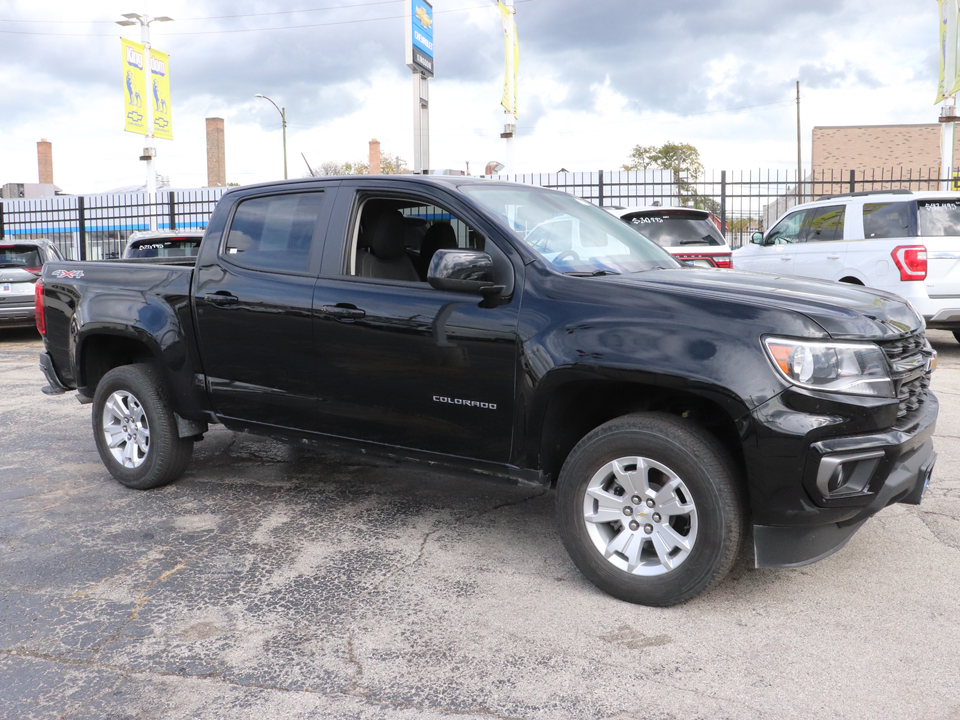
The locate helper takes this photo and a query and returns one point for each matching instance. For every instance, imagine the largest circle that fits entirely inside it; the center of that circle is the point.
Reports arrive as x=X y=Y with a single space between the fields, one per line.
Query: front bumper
x=838 y=483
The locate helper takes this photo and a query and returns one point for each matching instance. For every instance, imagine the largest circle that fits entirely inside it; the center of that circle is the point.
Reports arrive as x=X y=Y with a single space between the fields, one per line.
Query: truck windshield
x=571 y=235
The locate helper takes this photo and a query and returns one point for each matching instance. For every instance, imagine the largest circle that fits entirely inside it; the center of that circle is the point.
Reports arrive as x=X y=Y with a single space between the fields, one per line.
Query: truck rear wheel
x=650 y=509
x=136 y=430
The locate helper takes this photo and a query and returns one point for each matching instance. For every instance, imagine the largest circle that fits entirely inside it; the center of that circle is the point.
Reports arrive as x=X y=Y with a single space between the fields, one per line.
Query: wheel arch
x=580 y=404
x=104 y=348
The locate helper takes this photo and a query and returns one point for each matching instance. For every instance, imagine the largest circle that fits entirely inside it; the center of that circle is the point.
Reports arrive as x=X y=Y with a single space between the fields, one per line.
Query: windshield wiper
x=701 y=241
x=591 y=273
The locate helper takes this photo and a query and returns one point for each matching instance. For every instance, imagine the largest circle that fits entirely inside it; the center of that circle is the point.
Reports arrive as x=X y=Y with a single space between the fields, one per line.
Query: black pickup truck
x=683 y=413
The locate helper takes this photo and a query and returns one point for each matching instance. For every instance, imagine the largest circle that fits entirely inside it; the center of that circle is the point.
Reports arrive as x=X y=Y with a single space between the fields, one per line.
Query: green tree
x=683 y=159
x=389 y=165
x=679 y=157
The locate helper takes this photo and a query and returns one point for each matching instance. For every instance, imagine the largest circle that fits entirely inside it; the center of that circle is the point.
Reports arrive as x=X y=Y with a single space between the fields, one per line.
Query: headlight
x=857 y=369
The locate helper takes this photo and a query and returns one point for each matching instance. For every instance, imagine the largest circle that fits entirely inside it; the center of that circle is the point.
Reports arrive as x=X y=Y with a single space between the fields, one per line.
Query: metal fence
x=91 y=227
x=745 y=201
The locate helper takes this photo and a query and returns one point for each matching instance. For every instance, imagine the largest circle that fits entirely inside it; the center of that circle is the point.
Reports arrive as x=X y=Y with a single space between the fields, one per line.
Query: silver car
x=21 y=262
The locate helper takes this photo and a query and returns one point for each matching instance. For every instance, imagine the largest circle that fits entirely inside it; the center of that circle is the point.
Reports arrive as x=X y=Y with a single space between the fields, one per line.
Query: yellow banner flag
x=134 y=62
x=160 y=95
x=956 y=78
x=511 y=69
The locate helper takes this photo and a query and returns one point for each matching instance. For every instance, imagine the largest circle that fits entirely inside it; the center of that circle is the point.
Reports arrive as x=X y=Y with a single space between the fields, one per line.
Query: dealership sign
x=420 y=39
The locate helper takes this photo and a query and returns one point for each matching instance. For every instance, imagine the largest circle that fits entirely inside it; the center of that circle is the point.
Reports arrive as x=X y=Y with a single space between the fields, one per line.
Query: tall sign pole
x=511 y=68
x=947 y=89
x=419 y=49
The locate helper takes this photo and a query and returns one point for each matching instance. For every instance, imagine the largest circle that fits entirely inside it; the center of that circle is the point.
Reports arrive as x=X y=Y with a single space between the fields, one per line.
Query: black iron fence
x=745 y=202
x=92 y=227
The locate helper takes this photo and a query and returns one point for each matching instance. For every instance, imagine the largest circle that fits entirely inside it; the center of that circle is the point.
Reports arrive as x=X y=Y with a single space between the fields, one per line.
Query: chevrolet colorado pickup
x=683 y=413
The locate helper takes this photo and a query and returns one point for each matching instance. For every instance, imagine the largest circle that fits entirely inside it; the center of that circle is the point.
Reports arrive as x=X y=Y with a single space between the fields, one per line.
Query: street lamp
x=283 y=117
x=148 y=152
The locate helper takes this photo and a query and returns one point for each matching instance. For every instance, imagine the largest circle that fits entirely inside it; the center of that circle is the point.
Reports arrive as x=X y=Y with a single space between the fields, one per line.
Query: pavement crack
x=142 y=599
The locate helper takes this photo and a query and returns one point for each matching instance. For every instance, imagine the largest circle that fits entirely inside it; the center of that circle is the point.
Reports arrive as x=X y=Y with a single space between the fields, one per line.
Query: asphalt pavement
x=275 y=581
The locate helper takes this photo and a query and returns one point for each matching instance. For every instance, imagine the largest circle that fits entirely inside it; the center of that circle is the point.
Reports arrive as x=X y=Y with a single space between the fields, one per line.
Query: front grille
x=912 y=387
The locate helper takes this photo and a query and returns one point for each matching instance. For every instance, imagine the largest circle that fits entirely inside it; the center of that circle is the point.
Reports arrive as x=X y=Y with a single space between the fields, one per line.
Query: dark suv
x=21 y=263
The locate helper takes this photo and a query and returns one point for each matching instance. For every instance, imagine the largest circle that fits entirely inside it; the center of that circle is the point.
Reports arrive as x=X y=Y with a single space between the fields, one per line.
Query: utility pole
x=799 y=162
x=149 y=152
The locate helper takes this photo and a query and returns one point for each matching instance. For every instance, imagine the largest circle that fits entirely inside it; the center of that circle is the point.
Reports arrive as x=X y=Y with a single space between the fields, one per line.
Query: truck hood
x=844 y=311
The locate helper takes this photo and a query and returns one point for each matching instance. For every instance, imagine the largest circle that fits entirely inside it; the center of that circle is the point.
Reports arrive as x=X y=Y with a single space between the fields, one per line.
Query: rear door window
x=823 y=224
x=889 y=220
x=275 y=232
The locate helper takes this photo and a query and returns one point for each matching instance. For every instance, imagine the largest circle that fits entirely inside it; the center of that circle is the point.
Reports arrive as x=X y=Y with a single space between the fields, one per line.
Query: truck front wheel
x=650 y=510
x=136 y=430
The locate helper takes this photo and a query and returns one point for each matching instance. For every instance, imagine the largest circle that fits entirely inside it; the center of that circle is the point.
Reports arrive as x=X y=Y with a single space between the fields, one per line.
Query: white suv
x=904 y=242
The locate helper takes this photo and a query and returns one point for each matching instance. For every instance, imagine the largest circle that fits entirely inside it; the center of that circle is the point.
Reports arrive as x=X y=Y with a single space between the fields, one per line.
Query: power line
x=259 y=29
x=212 y=17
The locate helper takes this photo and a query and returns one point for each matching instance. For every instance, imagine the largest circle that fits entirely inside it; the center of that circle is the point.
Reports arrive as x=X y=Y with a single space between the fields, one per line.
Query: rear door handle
x=221 y=299
x=833 y=257
x=342 y=312
x=786 y=258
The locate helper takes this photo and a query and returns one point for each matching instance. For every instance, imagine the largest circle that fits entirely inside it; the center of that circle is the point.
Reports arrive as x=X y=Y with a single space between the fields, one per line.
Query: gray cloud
x=657 y=55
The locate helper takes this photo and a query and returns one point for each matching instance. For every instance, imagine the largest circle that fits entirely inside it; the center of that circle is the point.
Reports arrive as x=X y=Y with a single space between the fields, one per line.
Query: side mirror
x=463 y=271
x=757 y=238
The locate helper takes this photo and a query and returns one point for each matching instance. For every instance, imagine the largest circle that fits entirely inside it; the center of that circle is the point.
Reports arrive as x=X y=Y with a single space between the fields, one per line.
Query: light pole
x=148 y=152
x=283 y=117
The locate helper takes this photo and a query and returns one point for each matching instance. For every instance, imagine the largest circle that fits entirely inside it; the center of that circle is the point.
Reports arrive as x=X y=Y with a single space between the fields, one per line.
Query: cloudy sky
x=596 y=79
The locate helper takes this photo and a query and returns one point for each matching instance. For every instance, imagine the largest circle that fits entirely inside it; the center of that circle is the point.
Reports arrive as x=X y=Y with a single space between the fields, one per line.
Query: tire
x=956 y=335
x=135 y=428
x=660 y=536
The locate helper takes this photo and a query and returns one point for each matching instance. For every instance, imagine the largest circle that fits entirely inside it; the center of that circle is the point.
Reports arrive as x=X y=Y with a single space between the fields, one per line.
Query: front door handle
x=785 y=259
x=221 y=299
x=342 y=312
x=833 y=257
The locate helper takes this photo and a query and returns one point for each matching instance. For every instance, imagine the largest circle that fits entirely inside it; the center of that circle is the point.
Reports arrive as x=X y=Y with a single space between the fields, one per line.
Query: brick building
x=878 y=152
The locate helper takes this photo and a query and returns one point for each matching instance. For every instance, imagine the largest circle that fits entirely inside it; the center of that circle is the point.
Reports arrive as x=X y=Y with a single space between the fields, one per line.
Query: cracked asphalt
x=278 y=582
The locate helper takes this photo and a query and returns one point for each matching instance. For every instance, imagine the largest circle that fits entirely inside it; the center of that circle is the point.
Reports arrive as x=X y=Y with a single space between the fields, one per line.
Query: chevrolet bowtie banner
x=160 y=95
x=511 y=69
x=134 y=64
x=146 y=80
